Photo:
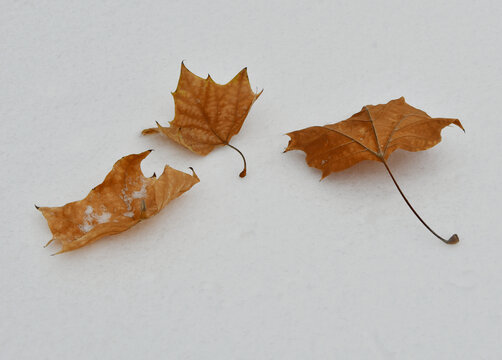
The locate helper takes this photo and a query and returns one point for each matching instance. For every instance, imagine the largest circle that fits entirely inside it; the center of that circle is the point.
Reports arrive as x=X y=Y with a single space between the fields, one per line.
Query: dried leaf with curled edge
x=371 y=134
x=208 y=114
x=122 y=200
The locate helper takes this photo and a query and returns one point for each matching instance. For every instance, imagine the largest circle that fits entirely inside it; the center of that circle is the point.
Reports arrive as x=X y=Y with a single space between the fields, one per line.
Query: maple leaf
x=208 y=114
x=371 y=134
x=122 y=200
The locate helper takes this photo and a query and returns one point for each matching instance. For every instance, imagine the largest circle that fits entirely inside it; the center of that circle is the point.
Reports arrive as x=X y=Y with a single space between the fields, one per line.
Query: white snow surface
x=276 y=265
x=91 y=219
x=141 y=193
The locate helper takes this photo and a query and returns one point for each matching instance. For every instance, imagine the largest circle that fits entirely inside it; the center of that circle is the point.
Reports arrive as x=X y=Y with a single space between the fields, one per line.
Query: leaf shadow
x=159 y=141
x=403 y=164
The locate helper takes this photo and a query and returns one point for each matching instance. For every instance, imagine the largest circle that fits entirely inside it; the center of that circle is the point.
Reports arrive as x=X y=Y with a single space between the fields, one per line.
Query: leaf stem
x=452 y=240
x=243 y=172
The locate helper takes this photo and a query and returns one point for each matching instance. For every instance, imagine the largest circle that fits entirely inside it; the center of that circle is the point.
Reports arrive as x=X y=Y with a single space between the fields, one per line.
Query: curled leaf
x=208 y=114
x=122 y=200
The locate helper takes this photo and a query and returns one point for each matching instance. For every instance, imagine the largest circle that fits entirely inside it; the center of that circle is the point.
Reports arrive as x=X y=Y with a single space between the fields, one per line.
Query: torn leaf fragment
x=122 y=200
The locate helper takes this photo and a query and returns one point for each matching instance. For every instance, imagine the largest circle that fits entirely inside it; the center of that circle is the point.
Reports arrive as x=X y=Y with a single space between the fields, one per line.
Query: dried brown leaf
x=371 y=134
x=122 y=200
x=208 y=114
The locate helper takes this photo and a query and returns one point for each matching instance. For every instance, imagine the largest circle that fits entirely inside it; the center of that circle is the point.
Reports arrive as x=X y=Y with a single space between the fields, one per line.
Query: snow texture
x=276 y=265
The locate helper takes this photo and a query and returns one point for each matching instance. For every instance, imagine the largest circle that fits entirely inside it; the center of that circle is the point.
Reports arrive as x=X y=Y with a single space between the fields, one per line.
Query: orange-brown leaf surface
x=122 y=200
x=208 y=114
x=371 y=134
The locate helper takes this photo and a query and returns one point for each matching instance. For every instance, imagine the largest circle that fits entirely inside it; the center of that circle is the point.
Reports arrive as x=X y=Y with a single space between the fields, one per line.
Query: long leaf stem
x=452 y=240
x=243 y=172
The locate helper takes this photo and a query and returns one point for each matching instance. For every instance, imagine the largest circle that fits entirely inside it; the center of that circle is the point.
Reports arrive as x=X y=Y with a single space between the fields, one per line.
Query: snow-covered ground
x=276 y=265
